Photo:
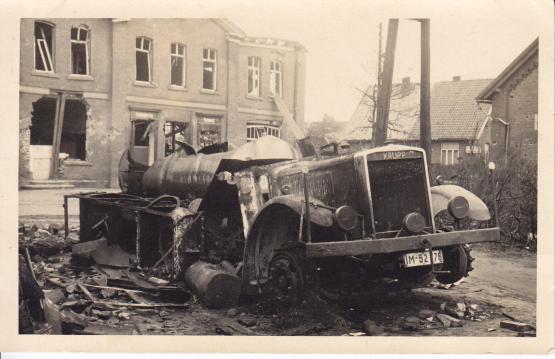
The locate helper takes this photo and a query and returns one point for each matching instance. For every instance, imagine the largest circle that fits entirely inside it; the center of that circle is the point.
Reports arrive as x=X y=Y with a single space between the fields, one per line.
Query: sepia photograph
x=290 y=170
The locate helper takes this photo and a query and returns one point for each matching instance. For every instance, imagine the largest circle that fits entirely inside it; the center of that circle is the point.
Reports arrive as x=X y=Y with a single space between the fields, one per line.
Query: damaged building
x=91 y=87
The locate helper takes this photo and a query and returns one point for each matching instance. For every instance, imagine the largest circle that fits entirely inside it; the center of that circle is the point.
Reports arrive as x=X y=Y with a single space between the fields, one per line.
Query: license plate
x=417 y=259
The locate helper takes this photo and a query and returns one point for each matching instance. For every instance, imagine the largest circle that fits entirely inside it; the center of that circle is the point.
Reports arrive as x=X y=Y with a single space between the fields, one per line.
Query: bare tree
x=398 y=92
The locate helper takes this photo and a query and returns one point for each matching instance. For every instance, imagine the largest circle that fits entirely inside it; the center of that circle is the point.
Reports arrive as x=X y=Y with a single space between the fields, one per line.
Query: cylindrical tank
x=184 y=177
x=216 y=285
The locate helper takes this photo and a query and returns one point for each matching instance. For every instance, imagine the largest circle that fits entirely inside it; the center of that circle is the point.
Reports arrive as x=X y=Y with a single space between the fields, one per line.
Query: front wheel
x=291 y=277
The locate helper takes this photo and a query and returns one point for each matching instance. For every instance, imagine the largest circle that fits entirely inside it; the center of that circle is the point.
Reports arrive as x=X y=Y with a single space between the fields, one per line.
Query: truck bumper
x=399 y=244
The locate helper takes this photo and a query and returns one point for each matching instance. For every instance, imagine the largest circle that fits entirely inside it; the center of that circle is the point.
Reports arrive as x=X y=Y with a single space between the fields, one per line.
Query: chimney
x=456 y=78
x=405 y=86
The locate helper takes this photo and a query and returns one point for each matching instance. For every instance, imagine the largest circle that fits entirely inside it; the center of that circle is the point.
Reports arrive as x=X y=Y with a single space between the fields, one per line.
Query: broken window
x=209 y=131
x=209 y=69
x=255 y=131
x=253 y=76
x=43 y=46
x=276 y=82
x=141 y=131
x=80 y=56
x=74 y=130
x=175 y=135
x=143 y=47
x=178 y=64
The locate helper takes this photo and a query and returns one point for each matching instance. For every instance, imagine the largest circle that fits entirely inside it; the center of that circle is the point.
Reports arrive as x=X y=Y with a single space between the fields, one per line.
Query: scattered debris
x=456 y=309
x=411 y=323
x=96 y=329
x=372 y=328
x=531 y=333
x=492 y=329
x=516 y=326
x=426 y=314
x=231 y=327
x=232 y=312
x=158 y=281
x=449 y=321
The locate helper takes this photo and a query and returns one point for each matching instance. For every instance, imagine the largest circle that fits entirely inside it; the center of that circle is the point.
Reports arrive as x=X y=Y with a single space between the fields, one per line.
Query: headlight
x=346 y=217
x=458 y=207
x=414 y=222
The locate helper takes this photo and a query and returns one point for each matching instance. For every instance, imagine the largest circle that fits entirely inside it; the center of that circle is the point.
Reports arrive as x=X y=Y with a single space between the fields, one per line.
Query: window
x=209 y=69
x=254 y=76
x=256 y=131
x=43 y=47
x=143 y=47
x=209 y=131
x=449 y=153
x=276 y=82
x=473 y=149
x=177 y=54
x=80 y=56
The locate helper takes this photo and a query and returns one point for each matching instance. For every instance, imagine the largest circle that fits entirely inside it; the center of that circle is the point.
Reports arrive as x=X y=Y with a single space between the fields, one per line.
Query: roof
x=234 y=30
x=229 y=27
x=488 y=92
x=455 y=114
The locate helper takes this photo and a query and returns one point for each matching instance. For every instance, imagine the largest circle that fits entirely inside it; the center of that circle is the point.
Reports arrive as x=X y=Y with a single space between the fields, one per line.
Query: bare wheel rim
x=287 y=283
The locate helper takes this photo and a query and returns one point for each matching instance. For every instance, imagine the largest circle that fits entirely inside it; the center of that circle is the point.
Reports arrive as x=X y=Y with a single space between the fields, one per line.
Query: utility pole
x=379 y=132
x=379 y=77
x=425 y=123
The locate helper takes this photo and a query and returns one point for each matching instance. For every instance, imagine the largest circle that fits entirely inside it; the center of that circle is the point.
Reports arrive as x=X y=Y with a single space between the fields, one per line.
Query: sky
x=474 y=40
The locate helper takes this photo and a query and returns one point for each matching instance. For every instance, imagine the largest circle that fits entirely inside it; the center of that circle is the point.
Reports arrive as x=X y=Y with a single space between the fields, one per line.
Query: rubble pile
x=97 y=289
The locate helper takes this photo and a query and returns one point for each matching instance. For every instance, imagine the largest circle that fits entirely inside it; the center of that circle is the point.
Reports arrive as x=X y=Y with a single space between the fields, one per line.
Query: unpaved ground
x=504 y=281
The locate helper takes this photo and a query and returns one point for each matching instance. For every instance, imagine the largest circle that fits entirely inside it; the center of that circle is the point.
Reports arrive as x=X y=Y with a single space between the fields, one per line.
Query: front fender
x=275 y=225
x=443 y=193
x=319 y=213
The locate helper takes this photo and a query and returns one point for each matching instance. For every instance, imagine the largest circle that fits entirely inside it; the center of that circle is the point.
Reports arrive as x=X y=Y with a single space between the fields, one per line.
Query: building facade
x=91 y=87
x=513 y=97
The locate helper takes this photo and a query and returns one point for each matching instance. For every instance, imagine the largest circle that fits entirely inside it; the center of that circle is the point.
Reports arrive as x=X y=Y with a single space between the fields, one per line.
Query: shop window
x=80 y=50
x=449 y=153
x=44 y=46
x=255 y=131
x=143 y=61
x=253 y=76
x=177 y=54
x=276 y=78
x=209 y=131
x=209 y=69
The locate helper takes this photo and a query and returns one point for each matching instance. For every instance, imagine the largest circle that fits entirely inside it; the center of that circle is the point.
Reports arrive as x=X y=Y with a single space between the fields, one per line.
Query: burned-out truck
x=264 y=220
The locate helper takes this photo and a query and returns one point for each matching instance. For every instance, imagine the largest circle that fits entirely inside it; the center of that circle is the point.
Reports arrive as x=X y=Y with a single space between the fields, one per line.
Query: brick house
x=513 y=97
x=459 y=124
x=91 y=87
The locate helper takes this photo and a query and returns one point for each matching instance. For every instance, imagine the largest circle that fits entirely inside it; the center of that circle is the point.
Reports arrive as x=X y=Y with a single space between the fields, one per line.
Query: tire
x=458 y=260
